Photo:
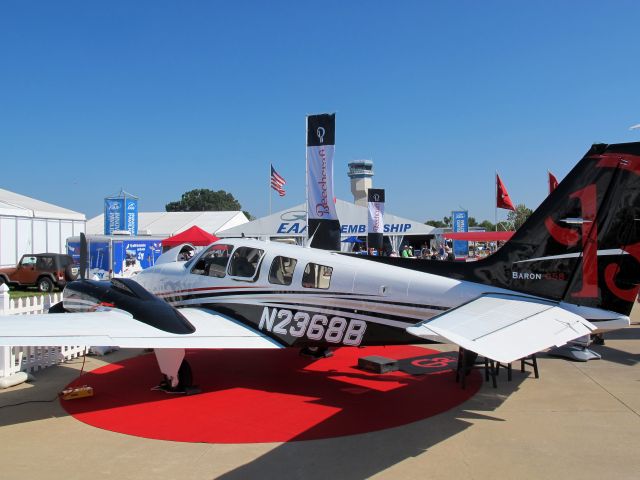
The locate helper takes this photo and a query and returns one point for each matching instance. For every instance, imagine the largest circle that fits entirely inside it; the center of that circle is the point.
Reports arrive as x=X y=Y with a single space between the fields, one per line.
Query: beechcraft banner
x=324 y=227
x=375 y=198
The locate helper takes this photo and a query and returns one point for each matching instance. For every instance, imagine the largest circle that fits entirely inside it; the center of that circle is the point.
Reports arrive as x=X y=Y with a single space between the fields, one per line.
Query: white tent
x=28 y=225
x=166 y=224
x=292 y=223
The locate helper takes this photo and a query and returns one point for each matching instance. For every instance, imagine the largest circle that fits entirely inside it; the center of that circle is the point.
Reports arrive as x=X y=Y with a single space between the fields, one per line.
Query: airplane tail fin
x=582 y=245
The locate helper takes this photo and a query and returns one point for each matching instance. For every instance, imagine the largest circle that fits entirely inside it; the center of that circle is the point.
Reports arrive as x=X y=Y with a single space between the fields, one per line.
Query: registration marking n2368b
x=315 y=326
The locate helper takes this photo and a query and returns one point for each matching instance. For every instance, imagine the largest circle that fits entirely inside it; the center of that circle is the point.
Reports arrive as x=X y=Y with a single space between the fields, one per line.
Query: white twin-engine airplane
x=570 y=270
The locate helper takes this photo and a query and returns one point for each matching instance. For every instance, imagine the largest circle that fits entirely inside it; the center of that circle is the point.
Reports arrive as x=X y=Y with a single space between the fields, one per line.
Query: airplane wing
x=505 y=327
x=118 y=328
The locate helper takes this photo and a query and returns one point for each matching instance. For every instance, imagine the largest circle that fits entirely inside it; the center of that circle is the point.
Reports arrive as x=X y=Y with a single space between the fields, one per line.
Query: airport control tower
x=361 y=175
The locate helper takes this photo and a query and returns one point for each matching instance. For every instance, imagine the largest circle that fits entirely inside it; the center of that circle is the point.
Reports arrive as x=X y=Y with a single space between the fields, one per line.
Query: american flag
x=277 y=182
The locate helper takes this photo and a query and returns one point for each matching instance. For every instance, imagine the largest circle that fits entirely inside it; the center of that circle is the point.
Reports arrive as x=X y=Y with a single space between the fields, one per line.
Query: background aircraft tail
x=582 y=245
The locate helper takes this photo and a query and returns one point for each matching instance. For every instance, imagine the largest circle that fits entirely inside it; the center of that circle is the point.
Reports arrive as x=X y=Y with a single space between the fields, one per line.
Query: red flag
x=553 y=182
x=503 y=200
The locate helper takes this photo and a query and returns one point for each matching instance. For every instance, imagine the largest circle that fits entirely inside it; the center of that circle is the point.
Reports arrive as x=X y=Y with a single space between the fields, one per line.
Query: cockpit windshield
x=213 y=262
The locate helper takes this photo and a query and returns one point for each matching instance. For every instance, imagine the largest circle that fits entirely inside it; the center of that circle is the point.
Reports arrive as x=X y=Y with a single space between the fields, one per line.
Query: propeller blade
x=83 y=256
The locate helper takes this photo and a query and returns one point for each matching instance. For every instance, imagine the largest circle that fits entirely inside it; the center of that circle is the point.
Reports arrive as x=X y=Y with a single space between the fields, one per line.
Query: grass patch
x=13 y=293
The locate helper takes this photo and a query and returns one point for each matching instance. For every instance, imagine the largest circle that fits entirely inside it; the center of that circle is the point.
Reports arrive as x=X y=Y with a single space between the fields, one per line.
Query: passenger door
x=26 y=273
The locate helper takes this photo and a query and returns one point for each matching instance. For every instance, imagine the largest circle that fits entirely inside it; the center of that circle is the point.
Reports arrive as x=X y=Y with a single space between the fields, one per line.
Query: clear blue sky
x=161 y=97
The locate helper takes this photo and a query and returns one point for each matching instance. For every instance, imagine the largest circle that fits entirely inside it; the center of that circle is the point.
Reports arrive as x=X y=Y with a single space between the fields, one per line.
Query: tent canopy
x=352 y=240
x=194 y=235
x=479 y=236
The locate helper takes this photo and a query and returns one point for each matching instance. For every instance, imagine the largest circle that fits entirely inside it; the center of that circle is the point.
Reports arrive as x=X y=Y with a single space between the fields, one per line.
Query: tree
x=435 y=223
x=487 y=225
x=518 y=216
x=203 y=199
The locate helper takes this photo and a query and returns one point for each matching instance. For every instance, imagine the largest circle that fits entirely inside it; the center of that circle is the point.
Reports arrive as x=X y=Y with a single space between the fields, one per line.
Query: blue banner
x=121 y=214
x=460 y=224
x=131 y=219
x=128 y=257
x=98 y=258
x=113 y=215
x=133 y=256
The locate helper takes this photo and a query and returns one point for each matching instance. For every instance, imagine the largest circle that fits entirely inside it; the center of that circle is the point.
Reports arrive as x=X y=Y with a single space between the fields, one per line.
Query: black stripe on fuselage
x=308 y=306
x=376 y=333
x=169 y=297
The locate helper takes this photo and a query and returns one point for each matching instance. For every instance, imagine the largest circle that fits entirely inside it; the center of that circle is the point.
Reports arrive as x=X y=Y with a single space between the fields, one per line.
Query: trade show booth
x=292 y=224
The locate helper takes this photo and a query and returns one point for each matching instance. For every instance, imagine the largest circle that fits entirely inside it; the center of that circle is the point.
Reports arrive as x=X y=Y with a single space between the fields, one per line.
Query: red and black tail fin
x=582 y=245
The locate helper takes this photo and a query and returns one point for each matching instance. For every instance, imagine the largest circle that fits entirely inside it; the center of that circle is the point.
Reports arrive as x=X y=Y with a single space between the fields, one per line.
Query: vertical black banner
x=323 y=224
x=375 y=228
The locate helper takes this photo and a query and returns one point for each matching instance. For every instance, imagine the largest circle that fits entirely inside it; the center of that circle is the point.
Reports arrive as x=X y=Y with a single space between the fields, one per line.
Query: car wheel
x=45 y=285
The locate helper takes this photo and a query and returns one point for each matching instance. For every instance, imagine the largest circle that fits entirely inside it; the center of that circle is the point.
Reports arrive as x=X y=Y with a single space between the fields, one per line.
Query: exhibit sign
x=324 y=226
x=460 y=221
x=117 y=257
x=376 y=218
x=131 y=218
x=113 y=214
x=98 y=257
x=133 y=256
x=121 y=214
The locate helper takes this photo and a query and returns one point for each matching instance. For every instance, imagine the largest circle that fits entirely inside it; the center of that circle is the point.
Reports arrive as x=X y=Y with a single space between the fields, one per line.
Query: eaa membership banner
x=324 y=226
x=376 y=217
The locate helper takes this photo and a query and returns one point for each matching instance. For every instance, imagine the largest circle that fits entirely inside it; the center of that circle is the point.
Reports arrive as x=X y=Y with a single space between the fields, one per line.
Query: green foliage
x=435 y=223
x=487 y=225
x=446 y=222
x=203 y=199
x=518 y=216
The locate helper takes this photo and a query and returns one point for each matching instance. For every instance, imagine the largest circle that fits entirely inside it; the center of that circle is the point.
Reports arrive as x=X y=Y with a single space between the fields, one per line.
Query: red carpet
x=252 y=396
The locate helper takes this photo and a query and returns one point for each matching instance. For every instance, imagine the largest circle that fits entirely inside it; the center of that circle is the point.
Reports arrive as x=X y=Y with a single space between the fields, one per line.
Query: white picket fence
x=30 y=359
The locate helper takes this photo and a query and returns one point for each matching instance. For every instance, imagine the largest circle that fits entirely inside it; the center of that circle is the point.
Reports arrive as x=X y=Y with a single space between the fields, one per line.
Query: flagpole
x=495 y=198
x=270 y=167
x=306 y=177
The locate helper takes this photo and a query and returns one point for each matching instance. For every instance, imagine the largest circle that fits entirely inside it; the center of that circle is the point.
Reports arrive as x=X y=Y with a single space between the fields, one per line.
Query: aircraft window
x=213 y=262
x=281 y=272
x=245 y=262
x=316 y=276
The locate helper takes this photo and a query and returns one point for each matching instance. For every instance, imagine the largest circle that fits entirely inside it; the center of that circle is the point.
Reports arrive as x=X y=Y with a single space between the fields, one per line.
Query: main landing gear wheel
x=316 y=352
x=185 y=381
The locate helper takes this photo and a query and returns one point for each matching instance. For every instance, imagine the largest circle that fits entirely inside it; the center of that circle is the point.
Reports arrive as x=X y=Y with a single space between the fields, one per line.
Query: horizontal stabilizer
x=119 y=328
x=505 y=327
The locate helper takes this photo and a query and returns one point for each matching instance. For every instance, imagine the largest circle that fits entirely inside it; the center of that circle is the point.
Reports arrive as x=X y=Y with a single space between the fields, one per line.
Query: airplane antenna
x=310 y=240
x=83 y=256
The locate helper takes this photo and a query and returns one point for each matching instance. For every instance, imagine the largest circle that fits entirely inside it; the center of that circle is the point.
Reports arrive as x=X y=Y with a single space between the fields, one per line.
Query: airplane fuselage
x=351 y=301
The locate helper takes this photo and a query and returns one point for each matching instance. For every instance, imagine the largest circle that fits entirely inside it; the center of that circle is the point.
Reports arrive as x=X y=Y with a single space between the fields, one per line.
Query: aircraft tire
x=185 y=376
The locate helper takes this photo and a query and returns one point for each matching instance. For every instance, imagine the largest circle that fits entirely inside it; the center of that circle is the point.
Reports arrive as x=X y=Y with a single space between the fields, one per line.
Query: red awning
x=479 y=236
x=194 y=235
